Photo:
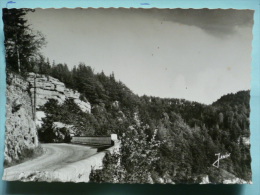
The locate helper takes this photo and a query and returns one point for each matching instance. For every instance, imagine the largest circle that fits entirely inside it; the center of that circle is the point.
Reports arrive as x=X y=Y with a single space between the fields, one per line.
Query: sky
x=198 y=55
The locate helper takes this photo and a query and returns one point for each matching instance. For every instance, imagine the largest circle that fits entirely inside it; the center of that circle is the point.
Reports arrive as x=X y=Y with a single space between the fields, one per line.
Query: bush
x=135 y=161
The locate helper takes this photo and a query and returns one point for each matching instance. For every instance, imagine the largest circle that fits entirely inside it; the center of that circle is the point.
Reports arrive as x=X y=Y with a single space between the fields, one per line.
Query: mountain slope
x=189 y=133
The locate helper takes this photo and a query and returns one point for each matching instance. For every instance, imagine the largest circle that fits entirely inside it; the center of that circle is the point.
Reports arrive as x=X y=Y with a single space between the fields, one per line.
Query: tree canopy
x=22 y=43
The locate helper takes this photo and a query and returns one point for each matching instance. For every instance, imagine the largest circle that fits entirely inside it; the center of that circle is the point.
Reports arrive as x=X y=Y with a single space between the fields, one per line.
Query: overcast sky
x=197 y=55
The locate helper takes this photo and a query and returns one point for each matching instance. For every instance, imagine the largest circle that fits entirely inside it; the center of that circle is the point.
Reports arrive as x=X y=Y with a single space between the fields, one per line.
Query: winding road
x=56 y=157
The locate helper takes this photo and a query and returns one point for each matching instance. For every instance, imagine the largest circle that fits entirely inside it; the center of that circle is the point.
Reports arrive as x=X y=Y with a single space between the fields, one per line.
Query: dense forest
x=167 y=139
x=189 y=134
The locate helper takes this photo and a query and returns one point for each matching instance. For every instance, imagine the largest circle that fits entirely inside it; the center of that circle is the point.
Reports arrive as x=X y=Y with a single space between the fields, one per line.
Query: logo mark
x=220 y=157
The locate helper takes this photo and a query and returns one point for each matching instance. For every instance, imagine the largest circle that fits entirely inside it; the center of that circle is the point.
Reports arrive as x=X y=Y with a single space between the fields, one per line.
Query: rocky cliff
x=23 y=114
x=43 y=88
x=21 y=133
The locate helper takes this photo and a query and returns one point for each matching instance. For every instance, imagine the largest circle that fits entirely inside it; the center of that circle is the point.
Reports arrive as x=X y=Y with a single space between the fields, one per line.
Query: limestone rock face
x=46 y=87
x=23 y=116
x=21 y=133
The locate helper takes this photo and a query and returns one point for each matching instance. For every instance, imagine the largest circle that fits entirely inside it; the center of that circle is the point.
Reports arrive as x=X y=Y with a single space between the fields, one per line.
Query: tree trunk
x=18 y=59
x=18 y=55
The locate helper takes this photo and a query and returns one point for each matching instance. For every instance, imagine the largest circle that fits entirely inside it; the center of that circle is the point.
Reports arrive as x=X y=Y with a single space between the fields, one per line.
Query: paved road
x=55 y=157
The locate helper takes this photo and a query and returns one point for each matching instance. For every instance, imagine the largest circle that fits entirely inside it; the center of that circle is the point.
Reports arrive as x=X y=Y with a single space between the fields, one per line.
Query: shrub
x=135 y=161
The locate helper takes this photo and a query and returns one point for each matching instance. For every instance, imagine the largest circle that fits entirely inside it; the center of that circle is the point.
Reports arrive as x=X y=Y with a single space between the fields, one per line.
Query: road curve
x=55 y=157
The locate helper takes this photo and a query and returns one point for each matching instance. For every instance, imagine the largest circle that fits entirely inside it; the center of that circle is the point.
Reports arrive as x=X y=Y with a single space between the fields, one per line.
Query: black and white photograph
x=128 y=95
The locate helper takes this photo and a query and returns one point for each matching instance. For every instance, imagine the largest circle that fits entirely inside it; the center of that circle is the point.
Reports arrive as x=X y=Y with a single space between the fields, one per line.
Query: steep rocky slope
x=45 y=87
x=23 y=114
x=21 y=133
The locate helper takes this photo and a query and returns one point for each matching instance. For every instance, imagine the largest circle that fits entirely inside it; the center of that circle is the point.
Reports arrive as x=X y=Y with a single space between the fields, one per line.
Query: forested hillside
x=189 y=134
x=163 y=140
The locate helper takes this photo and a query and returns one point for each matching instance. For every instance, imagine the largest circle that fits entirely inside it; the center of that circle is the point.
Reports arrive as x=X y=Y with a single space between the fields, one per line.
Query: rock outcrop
x=21 y=133
x=23 y=117
x=46 y=87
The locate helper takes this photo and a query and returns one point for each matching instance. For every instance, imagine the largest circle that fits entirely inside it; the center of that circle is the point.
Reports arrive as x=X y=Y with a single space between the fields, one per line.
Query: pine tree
x=21 y=42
